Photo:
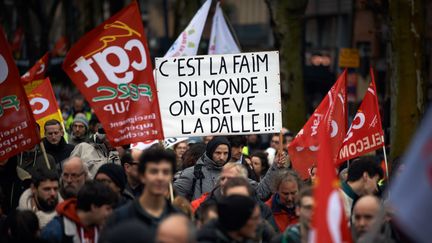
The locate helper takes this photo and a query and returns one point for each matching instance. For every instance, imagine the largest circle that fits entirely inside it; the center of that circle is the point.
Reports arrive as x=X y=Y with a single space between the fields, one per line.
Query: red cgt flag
x=37 y=72
x=328 y=222
x=365 y=134
x=17 y=125
x=111 y=66
x=303 y=149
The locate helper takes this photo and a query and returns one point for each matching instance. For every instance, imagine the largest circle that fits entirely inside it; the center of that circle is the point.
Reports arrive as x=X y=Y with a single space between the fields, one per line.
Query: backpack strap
x=198 y=175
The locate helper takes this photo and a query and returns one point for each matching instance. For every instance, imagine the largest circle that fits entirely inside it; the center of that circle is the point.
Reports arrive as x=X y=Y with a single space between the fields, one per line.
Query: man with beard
x=42 y=197
x=75 y=174
x=202 y=177
x=80 y=219
x=79 y=130
x=299 y=232
x=283 y=202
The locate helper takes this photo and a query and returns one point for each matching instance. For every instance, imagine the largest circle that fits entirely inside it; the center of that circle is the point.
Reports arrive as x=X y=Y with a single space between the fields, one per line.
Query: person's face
x=237 y=190
x=78 y=105
x=207 y=139
x=100 y=214
x=220 y=155
x=227 y=174
x=47 y=194
x=252 y=139
x=313 y=174
x=256 y=164
x=288 y=191
x=236 y=153
x=363 y=217
x=370 y=183
x=157 y=177
x=78 y=129
x=107 y=180
x=53 y=133
x=73 y=178
x=131 y=170
x=249 y=229
x=305 y=211
x=181 y=149
x=274 y=143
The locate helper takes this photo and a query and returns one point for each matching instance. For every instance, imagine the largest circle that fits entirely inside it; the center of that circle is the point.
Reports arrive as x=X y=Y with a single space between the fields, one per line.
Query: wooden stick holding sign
x=45 y=155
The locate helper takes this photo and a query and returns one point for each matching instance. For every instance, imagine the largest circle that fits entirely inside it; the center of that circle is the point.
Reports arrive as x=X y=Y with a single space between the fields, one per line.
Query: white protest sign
x=219 y=94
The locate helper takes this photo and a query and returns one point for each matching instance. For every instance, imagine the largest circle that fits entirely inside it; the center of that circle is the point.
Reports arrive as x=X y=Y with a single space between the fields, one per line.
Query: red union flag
x=328 y=221
x=43 y=102
x=111 y=66
x=17 y=125
x=303 y=149
x=365 y=134
x=37 y=72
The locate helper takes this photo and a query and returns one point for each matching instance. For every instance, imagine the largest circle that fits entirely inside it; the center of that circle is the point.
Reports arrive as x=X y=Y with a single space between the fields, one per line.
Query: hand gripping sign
x=111 y=66
x=17 y=125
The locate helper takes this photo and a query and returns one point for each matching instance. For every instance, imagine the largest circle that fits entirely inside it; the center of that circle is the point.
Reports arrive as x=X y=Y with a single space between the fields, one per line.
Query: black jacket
x=213 y=232
x=133 y=210
x=60 y=151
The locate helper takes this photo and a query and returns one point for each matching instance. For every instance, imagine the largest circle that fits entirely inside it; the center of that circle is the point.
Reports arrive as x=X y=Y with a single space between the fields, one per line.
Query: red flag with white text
x=38 y=70
x=365 y=134
x=111 y=66
x=328 y=221
x=17 y=125
x=303 y=149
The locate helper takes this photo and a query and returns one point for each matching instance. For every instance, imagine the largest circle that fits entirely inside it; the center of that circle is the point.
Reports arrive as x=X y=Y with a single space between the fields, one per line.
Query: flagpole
x=379 y=116
x=171 y=192
x=280 y=145
x=385 y=160
x=45 y=155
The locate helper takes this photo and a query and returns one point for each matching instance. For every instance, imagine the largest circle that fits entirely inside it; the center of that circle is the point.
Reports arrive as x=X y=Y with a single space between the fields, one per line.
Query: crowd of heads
x=210 y=189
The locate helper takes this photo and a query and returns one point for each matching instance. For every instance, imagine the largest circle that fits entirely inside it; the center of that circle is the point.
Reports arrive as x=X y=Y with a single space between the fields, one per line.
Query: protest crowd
x=126 y=163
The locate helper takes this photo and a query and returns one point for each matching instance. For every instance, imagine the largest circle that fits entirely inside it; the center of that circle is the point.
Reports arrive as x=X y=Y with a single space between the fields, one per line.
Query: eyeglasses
x=73 y=176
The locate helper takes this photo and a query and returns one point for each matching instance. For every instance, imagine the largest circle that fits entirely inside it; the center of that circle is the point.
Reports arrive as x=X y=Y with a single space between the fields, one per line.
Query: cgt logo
x=37 y=102
x=4 y=70
x=114 y=61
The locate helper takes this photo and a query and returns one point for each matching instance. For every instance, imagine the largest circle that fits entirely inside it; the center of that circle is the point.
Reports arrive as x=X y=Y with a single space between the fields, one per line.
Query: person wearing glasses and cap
x=96 y=153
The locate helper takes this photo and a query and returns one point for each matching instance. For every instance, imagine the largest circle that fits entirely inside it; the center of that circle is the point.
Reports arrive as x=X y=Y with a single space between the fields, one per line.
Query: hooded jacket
x=66 y=227
x=26 y=202
x=210 y=172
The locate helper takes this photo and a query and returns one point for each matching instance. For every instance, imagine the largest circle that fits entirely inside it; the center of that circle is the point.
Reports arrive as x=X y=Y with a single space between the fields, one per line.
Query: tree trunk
x=407 y=23
x=287 y=25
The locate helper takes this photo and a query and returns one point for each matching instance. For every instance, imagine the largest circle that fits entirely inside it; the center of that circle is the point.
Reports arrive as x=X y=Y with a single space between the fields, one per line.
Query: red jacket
x=284 y=217
x=197 y=202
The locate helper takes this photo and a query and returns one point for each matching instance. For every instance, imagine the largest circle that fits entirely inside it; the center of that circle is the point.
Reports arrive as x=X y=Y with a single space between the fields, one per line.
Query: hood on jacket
x=68 y=209
x=214 y=143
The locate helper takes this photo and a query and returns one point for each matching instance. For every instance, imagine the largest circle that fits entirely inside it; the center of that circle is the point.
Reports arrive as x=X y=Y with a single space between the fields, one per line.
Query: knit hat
x=214 y=143
x=81 y=118
x=115 y=173
x=234 y=211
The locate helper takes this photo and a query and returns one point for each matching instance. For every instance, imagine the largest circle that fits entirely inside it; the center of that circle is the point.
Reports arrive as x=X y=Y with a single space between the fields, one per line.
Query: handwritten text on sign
x=219 y=94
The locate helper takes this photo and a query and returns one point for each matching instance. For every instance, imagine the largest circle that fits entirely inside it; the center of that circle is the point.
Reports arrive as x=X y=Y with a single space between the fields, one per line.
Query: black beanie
x=234 y=211
x=115 y=173
x=214 y=143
